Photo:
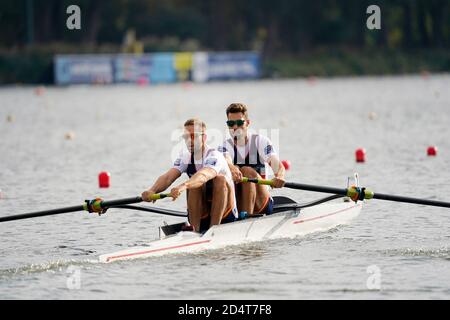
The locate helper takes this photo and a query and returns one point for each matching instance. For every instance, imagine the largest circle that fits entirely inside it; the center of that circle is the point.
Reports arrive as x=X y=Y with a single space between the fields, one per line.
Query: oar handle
x=258 y=181
x=158 y=196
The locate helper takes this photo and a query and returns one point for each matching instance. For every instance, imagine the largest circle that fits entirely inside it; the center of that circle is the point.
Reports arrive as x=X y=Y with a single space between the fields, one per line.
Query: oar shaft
x=300 y=186
x=379 y=196
x=309 y=187
x=426 y=202
x=111 y=203
x=42 y=213
x=84 y=207
x=351 y=192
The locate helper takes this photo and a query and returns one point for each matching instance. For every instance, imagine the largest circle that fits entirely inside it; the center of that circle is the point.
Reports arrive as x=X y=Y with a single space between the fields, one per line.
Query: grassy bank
x=35 y=65
x=345 y=62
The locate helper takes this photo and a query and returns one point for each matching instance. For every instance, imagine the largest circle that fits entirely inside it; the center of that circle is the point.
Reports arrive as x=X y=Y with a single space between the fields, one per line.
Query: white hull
x=287 y=224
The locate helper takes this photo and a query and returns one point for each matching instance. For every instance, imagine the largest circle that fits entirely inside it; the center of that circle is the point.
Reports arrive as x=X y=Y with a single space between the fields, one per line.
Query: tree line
x=273 y=26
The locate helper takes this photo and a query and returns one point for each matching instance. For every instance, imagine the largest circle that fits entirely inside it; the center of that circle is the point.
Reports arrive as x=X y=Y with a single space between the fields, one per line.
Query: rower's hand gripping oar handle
x=99 y=206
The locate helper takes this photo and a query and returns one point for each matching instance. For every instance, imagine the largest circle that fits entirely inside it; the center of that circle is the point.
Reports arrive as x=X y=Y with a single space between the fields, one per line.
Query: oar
x=353 y=192
x=167 y=212
x=96 y=205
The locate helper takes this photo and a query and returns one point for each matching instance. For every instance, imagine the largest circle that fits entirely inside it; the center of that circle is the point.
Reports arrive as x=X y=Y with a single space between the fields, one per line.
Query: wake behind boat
x=290 y=220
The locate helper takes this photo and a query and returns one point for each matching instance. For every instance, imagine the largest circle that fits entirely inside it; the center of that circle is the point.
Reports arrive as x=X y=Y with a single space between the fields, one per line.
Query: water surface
x=129 y=131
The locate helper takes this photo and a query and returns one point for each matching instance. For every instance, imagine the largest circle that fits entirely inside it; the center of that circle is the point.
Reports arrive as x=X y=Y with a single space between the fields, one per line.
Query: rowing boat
x=289 y=220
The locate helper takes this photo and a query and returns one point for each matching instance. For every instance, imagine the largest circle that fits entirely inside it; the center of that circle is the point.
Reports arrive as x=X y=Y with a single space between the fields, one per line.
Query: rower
x=247 y=154
x=210 y=188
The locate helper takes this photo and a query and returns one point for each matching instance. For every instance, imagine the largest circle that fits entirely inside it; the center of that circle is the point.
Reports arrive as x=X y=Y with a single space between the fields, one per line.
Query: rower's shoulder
x=226 y=146
x=261 y=138
x=183 y=153
x=215 y=153
x=183 y=156
x=227 y=141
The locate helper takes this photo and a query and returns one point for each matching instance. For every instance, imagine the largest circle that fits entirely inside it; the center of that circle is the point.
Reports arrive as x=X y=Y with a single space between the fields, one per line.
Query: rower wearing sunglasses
x=246 y=154
x=210 y=189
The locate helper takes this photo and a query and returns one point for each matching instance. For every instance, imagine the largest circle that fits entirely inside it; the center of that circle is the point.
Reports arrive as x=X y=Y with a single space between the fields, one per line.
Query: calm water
x=129 y=131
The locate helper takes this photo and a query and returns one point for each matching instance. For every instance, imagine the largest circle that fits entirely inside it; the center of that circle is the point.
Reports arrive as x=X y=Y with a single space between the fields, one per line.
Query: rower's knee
x=220 y=182
x=196 y=191
x=195 y=195
x=249 y=172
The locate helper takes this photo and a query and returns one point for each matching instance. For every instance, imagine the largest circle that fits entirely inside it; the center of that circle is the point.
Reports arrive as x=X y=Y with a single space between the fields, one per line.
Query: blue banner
x=132 y=69
x=83 y=69
x=233 y=65
x=163 y=68
x=156 y=68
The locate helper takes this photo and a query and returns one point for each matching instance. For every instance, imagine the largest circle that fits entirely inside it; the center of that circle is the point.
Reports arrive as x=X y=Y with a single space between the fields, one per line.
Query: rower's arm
x=235 y=171
x=229 y=161
x=200 y=177
x=277 y=167
x=164 y=181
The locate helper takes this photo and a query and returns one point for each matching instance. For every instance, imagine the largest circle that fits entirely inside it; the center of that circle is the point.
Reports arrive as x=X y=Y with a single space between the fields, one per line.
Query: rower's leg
x=247 y=192
x=253 y=197
x=196 y=204
x=220 y=199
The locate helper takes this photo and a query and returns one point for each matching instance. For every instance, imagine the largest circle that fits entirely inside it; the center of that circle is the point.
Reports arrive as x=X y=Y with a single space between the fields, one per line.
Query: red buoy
x=103 y=179
x=432 y=151
x=360 y=155
x=286 y=164
x=142 y=81
x=312 y=80
x=187 y=85
x=39 y=91
x=425 y=74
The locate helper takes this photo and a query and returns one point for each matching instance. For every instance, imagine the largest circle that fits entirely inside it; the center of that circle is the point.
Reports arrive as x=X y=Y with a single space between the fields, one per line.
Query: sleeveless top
x=252 y=158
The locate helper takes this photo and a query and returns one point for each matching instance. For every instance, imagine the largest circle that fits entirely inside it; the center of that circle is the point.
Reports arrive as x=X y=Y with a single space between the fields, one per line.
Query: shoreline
x=36 y=66
x=311 y=79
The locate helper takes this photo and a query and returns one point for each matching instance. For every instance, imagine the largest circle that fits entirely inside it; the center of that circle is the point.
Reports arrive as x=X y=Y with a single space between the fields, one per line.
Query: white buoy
x=283 y=122
x=69 y=135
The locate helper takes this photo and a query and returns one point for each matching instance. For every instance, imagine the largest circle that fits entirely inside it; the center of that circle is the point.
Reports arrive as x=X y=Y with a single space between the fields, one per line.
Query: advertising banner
x=233 y=65
x=132 y=69
x=183 y=66
x=83 y=69
x=156 y=68
x=163 y=68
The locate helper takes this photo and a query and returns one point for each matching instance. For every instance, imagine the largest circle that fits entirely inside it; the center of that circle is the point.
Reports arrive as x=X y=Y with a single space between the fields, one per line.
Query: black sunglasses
x=239 y=123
